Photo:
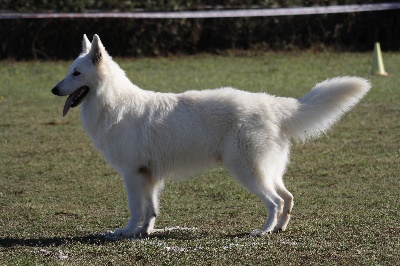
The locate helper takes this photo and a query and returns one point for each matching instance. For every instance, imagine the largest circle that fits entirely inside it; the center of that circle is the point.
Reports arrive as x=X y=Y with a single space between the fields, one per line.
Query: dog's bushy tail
x=318 y=110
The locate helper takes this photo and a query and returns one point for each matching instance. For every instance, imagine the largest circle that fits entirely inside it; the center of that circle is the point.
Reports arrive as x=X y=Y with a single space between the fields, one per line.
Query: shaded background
x=60 y=38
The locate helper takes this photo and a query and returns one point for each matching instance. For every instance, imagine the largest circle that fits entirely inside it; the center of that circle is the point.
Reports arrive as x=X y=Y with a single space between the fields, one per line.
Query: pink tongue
x=68 y=103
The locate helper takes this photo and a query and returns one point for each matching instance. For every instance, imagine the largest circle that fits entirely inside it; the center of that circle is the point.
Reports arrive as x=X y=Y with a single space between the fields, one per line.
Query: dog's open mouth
x=75 y=98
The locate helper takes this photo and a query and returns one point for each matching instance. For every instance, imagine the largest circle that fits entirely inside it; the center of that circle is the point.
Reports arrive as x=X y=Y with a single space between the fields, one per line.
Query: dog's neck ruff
x=107 y=105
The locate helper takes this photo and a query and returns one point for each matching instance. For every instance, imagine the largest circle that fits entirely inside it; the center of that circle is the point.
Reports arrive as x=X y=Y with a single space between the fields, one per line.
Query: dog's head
x=83 y=74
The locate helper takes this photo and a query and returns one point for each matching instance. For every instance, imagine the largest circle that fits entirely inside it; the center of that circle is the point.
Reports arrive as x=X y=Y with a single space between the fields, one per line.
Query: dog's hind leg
x=259 y=180
x=287 y=208
x=280 y=167
x=278 y=164
x=272 y=201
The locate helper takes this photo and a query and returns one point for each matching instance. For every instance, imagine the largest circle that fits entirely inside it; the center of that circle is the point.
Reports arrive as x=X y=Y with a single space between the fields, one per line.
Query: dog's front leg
x=152 y=208
x=136 y=195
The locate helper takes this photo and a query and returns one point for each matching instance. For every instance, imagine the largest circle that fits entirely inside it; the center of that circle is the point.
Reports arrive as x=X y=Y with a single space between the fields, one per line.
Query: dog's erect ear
x=96 y=50
x=85 y=45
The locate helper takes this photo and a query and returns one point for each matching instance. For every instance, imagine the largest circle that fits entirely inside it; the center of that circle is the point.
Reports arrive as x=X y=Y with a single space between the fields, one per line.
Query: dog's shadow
x=99 y=239
x=52 y=241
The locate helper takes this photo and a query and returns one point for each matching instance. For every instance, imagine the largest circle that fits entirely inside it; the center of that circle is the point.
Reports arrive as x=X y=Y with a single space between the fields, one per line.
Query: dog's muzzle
x=74 y=99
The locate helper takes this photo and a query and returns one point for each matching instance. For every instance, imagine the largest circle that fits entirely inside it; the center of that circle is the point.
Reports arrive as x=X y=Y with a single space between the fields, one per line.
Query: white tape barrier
x=212 y=13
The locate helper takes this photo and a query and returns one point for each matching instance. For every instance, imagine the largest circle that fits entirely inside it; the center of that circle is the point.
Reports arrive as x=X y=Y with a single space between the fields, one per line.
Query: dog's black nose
x=55 y=91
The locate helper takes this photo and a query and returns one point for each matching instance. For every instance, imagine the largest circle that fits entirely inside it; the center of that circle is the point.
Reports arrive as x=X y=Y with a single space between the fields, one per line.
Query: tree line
x=60 y=38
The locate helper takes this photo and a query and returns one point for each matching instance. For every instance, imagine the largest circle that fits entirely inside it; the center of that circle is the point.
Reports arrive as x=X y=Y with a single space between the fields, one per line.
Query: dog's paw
x=143 y=232
x=260 y=233
x=119 y=233
x=278 y=229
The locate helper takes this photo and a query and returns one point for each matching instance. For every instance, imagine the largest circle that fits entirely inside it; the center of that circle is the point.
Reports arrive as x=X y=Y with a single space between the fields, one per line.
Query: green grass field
x=57 y=193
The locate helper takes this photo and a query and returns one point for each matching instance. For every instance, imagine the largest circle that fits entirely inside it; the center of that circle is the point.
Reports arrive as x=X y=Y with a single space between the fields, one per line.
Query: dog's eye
x=76 y=73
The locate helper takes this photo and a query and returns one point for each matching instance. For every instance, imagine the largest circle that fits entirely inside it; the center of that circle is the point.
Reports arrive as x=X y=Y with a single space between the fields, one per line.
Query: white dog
x=147 y=136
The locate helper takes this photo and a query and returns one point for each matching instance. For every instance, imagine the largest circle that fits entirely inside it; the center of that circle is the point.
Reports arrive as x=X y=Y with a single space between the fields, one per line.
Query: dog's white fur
x=147 y=136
